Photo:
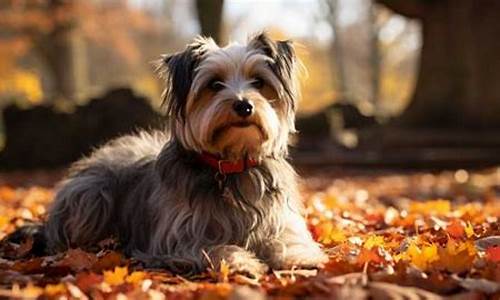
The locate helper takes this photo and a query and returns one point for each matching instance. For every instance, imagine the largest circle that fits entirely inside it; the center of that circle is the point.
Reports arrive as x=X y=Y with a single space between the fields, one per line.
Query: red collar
x=226 y=166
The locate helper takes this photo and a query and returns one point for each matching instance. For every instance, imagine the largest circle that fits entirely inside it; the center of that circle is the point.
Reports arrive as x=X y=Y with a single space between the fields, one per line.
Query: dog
x=215 y=185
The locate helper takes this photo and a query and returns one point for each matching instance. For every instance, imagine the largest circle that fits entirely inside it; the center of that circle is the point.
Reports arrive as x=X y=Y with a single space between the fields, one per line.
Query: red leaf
x=493 y=253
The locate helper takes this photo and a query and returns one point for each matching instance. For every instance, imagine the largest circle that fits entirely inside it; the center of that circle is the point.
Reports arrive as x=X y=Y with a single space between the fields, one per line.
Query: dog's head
x=237 y=101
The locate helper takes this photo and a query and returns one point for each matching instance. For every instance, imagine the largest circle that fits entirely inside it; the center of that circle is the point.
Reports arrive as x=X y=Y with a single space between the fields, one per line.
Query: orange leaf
x=136 y=277
x=367 y=256
x=456 y=257
x=455 y=229
x=116 y=277
x=55 y=289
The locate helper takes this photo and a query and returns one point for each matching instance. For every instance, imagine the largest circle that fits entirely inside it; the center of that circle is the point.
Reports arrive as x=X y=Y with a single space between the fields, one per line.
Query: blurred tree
x=459 y=81
x=57 y=32
x=48 y=27
x=63 y=48
x=210 y=18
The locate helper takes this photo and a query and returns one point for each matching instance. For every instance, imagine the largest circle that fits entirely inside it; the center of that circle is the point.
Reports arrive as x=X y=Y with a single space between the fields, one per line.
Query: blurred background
x=412 y=83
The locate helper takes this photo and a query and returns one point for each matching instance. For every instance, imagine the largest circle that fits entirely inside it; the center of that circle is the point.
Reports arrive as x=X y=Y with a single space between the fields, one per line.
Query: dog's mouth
x=238 y=124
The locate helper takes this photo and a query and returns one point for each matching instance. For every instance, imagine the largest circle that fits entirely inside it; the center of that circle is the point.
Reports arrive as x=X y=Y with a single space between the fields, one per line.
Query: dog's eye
x=257 y=83
x=215 y=85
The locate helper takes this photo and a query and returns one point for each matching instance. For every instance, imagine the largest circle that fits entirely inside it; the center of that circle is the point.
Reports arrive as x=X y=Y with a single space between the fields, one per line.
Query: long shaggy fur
x=151 y=191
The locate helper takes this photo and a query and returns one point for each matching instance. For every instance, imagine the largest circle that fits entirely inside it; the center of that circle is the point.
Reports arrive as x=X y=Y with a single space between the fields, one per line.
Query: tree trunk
x=63 y=49
x=210 y=18
x=376 y=58
x=458 y=85
x=337 y=56
x=66 y=56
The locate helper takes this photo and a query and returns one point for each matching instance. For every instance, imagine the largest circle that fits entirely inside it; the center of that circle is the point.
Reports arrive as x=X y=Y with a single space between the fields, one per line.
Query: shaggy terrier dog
x=215 y=185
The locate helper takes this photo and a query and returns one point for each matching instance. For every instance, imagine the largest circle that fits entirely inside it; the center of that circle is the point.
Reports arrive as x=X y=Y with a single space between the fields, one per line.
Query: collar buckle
x=220 y=166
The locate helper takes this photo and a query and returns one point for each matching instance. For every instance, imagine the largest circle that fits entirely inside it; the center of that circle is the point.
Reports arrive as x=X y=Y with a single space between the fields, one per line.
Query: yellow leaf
x=223 y=271
x=328 y=234
x=436 y=207
x=136 y=277
x=456 y=257
x=55 y=289
x=374 y=241
x=116 y=277
x=30 y=291
x=421 y=257
x=469 y=230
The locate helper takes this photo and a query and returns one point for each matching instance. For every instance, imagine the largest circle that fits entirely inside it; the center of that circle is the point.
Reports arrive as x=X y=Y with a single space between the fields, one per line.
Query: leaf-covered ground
x=413 y=236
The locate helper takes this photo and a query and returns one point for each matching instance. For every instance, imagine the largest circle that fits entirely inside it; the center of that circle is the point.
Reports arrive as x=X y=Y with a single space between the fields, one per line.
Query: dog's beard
x=237 y=140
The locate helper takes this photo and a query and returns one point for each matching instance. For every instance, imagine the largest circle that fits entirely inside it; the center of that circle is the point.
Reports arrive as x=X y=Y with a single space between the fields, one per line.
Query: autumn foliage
x=417 y=236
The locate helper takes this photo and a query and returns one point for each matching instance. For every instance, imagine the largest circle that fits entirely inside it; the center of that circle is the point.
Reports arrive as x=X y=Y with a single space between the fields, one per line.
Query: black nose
x=243 y=108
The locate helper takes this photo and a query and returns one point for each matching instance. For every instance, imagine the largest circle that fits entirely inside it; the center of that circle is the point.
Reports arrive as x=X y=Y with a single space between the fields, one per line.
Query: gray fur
x=151 y=192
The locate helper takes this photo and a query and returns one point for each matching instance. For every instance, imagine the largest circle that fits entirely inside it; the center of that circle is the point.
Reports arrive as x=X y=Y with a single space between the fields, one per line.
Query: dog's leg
x=294 y=247
x=81 y=212
x=238 y=259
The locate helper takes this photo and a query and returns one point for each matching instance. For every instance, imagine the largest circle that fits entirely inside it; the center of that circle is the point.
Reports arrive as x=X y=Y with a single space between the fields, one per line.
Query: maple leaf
x=421 y=256
x=116 y=277
x=456 y=257
x=136 y=277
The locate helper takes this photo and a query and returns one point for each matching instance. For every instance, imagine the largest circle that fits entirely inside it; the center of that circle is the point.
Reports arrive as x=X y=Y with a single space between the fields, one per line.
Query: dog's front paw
x=239 y=261
x=251 y=267
x=299 y=256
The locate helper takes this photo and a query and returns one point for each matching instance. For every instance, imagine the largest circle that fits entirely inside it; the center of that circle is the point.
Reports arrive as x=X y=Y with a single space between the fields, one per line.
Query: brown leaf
x=78 y=260
x=109 y=260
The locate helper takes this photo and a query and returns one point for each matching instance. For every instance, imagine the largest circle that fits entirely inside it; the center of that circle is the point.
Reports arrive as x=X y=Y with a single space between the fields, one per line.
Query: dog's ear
x=178 y=70
x=284 y=61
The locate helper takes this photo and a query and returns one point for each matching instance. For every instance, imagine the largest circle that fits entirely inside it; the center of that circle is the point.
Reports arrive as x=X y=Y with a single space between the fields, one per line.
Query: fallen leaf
x=109 y=260
x=55 y=289
x=374 y=241
x=455 y=229
x=493 y=253
x=115 y=277
x=456 y=257
x=78 y=260
x=136 y=277
x=435 y=207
